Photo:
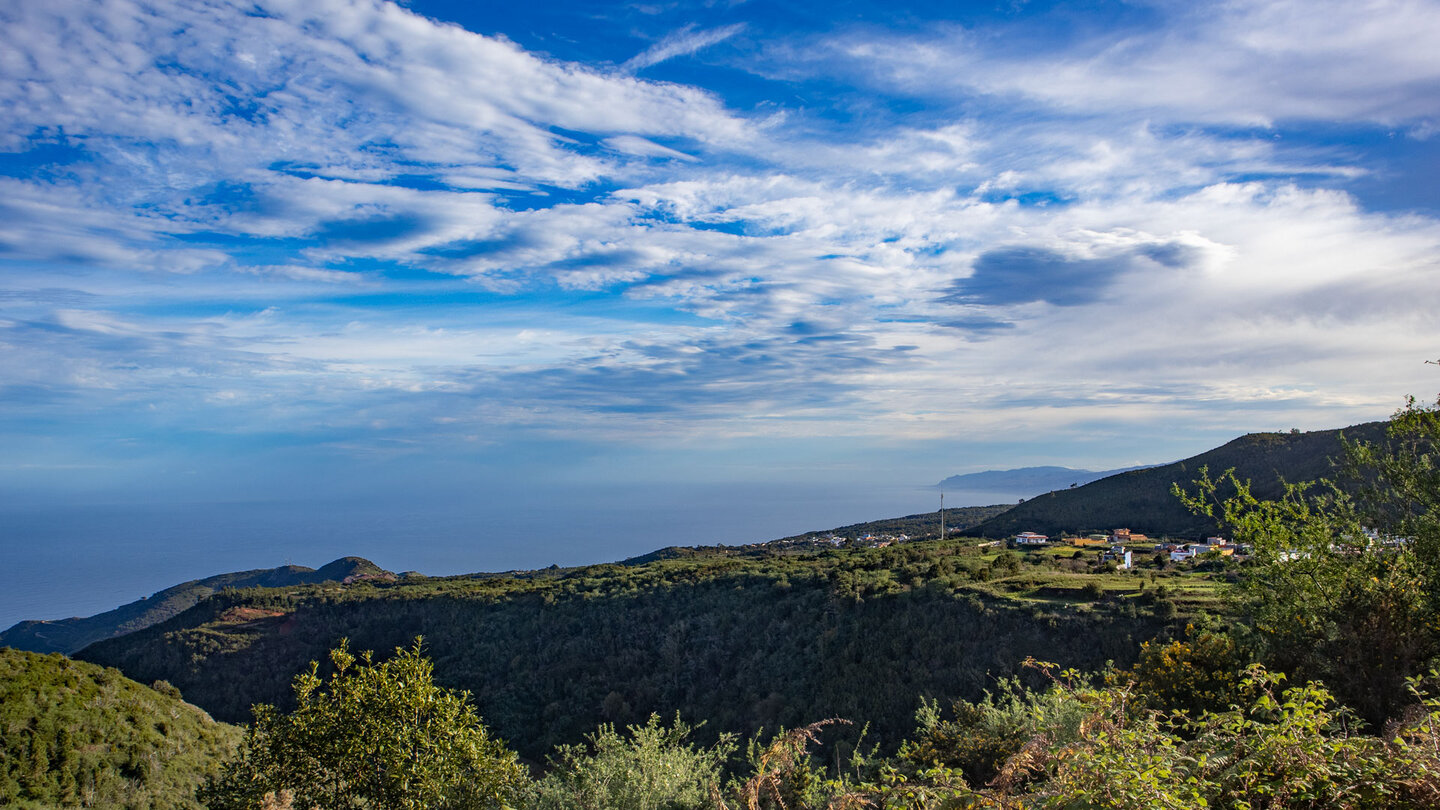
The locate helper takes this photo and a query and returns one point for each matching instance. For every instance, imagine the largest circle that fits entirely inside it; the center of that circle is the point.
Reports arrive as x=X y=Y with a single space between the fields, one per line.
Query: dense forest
x=743 y=641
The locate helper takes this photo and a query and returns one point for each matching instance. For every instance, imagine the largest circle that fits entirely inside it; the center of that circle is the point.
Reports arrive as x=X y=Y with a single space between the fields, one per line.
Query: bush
x=373 y=735
x=1196 y=675
x=650 y=767
x=979 y=737
x=1281 y=748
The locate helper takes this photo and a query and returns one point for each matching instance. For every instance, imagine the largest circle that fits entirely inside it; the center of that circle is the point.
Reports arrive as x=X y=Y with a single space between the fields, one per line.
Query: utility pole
x=942 y=514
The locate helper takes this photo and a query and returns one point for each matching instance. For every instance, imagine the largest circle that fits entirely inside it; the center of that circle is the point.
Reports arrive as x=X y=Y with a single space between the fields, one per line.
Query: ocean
x=78 y=560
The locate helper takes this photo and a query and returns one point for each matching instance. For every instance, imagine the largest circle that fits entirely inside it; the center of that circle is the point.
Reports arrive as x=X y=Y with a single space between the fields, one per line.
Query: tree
x=373 y=736
x=1397 y=482
x=1345 y=580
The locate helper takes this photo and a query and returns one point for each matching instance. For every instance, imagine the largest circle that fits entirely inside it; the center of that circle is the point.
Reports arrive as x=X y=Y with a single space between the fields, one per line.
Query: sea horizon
x=80 y=559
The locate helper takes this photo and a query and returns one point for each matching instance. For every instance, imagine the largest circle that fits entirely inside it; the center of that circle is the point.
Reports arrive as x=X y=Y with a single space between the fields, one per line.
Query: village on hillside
x=1120 y=546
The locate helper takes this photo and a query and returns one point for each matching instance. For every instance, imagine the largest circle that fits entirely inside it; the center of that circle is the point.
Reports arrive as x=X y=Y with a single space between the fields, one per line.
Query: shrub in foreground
x=374 y=735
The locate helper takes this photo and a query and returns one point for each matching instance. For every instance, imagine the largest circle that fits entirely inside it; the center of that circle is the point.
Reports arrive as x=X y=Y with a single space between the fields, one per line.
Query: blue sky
x=281 y=249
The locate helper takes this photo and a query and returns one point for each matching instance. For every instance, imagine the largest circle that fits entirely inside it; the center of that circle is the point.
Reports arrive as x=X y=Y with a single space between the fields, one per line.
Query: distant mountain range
x=1026 y=481
x=71 y=635
x=1138 y=498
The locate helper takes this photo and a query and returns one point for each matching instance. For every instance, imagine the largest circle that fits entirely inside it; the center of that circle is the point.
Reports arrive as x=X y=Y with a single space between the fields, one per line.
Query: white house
x=1031 y=539
x=1118 y=555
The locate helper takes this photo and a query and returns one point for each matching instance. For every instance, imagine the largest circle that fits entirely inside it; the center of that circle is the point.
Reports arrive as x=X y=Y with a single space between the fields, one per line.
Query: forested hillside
x=741 y=641
x=75 y=734
x=70 y=635
x=1142 y=500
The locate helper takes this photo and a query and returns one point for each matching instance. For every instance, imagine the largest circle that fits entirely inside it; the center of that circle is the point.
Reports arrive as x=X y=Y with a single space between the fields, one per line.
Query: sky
x=346 y=248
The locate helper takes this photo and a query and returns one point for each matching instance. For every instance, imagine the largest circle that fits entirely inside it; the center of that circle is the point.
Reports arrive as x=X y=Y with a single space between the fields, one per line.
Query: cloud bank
x=351 y=227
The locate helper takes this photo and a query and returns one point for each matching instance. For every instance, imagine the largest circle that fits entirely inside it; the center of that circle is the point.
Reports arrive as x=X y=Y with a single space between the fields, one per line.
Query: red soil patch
x=248 y=614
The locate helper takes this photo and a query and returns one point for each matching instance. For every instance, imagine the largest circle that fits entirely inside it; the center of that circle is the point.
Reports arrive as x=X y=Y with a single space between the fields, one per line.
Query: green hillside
x=70 y=635
x=742 y=640
x=1142 y=500
x=74 y=734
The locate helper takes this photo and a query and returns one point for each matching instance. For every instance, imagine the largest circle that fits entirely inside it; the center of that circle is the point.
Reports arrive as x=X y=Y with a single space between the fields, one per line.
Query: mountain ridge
x=71 y=635
x=1142 y=499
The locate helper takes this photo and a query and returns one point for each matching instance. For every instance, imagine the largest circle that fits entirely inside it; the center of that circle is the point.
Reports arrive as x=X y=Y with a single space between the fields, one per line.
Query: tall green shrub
x=374 y=735
x=649 y=767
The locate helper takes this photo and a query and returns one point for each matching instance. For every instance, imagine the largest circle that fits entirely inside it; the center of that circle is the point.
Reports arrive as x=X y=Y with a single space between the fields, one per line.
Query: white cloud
x=1248 y=62
x=341 y=89
x=635 y=145
x=682 y=43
